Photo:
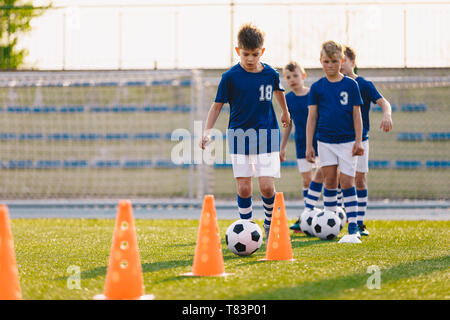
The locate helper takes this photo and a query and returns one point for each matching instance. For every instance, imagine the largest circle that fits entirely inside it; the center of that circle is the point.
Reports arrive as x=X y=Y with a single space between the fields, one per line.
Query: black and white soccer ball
x=243 y=237
x=326 y=225
x=306 y=219
x=340 y=212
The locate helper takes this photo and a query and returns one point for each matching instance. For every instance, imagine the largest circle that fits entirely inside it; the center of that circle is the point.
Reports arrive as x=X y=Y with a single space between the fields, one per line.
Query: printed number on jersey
x=265 y=92
x=344 y=97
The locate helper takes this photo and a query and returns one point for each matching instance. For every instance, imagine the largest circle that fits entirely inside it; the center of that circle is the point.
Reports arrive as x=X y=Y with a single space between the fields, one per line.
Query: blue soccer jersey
x=335 y=101
x=369 y=94
x=298 y=108
x=253 y=126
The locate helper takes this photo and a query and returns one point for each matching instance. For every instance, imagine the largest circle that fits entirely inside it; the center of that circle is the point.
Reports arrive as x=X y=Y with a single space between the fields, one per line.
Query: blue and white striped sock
x=362 y=205
x=330 y=199
x=314 y=191
x=305 y=194
x=245 y=207
x=339 y=196
x=351 y=206
x=268 y=209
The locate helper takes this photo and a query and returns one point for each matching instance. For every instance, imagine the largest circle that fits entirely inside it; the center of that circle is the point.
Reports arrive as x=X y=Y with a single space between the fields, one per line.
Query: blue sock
x=339 y=196
x=305 y=194
x=351 y=206
x=314 y=191
x=330 y=199
x=245 y=207
x=268 y=208
x=362 y=205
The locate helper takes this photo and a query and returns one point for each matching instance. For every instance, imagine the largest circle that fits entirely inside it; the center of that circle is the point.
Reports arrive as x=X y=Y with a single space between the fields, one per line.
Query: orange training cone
x=124 y=279
x=208 y=258
x=9 y=279
x=279 y=244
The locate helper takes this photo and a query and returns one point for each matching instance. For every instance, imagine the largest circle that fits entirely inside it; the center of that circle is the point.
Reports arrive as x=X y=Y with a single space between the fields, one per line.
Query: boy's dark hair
x=250 y=37
x=291 y=66
x=351 y=54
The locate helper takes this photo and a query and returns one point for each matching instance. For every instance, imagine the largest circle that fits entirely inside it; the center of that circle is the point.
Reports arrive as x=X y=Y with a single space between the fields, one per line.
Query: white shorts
x=306 y=166
x=339 y=154
x=362 y=164
x=256 y=165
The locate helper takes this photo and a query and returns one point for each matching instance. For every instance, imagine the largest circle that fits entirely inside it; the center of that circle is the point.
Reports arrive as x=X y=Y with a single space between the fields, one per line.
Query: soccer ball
x=326 y=225
x=306 y=221
x=243 y=237
x=341 y=214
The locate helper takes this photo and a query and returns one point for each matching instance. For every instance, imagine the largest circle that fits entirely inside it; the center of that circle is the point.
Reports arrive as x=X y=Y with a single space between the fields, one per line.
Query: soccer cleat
x=296 y=227
x=362 y=230
x=353 y=229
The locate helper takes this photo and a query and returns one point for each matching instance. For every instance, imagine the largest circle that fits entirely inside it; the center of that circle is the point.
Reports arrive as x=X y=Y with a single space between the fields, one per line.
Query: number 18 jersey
x=250 y=98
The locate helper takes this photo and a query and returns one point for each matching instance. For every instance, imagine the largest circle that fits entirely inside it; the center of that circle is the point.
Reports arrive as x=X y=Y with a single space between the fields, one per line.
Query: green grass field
x=413 y=257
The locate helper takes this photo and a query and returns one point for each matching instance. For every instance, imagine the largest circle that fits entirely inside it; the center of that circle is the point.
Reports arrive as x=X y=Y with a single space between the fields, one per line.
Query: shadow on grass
x=329 y=288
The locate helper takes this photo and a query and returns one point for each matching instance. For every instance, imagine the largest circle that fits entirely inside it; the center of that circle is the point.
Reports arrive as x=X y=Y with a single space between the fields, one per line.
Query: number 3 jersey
x=335 y=101
x=253 y=126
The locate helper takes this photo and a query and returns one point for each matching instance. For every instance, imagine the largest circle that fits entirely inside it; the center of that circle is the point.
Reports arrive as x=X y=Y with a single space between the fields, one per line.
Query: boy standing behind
x=297 y=102
x=253 y=134
x=334 y=108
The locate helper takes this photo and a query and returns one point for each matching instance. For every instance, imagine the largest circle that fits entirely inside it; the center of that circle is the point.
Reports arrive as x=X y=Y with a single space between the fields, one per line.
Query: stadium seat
x=75 y=164
x=414 y=107
x=379 y=164
x=410 y=136
x=441 y=164
x=408 y=164
x=134 y=164
x=438 y=136
x=48 y=164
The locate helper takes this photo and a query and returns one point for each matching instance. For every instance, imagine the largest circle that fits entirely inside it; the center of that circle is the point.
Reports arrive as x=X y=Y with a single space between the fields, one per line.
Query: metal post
x=120 y=38
x=405 y=65
x=231 y=32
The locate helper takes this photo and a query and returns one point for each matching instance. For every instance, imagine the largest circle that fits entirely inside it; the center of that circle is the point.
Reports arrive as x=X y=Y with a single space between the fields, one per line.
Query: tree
x=15 y=20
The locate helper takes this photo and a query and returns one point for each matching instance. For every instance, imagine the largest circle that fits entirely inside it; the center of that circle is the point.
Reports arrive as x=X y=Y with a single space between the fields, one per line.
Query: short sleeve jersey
x=368 y=94
x=335 y=101
x=298 y=108
x=253 y=126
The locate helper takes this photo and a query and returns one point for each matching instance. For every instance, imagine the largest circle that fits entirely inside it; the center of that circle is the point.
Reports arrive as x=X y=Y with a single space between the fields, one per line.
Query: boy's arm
x=310 y=129
x=285 y=116
x=358 y=149
x=211 y=119
x=284 y=140
x=386 y=123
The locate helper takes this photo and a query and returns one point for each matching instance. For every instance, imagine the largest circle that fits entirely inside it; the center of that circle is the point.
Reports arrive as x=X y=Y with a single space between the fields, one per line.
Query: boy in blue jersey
x=253 y=134
x=369 y=94
x=334 y=110
x=297 y=102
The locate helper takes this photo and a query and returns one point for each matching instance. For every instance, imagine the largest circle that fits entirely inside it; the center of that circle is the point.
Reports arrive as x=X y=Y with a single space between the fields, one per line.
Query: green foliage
x=15 y=21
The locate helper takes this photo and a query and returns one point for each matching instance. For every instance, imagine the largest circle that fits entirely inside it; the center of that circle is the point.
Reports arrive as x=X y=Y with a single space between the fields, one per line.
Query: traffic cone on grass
x=279 y=245
x=124 y=279
x=9 y=275
x=208 y=258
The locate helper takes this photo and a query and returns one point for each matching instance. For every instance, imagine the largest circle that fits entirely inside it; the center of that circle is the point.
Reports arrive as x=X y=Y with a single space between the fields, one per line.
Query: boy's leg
x=362 y=168
x=267 y=188
x=244 y=197
x=350 y=202
x=314 y=190
x=330 y=189
x=306 y=179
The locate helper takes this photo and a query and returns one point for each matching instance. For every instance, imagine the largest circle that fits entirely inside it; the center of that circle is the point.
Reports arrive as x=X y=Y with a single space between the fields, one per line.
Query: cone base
x=191 y=274
x=144 y=297
x=265 y=259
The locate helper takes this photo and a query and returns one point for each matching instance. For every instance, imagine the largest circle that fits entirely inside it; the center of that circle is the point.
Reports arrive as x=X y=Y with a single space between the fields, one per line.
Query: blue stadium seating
x=408 y=164
x=379 y=164
x=410 y=136
x=440 y=164
x=438 y=136
x=414 y=107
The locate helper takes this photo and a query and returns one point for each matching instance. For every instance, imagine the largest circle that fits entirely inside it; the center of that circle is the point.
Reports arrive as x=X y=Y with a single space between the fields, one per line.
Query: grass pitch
x=413 y=258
